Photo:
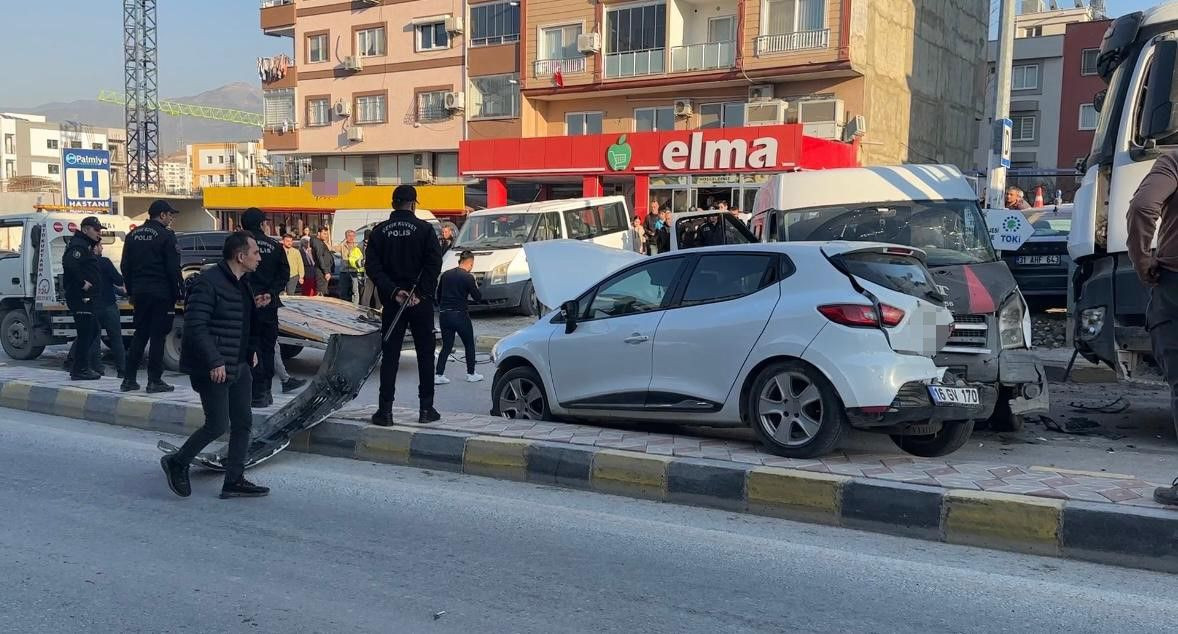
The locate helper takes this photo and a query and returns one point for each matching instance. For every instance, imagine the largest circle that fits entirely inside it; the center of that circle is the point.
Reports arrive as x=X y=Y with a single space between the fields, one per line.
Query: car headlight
x=498 y=275
x=1010 y=323
x=1091 y=323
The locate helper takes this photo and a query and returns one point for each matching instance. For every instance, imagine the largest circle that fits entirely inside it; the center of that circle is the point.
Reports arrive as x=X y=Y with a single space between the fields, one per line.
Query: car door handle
x=636 y=338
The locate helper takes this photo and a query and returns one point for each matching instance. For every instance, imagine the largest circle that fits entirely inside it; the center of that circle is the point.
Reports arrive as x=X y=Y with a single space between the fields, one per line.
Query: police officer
x=268 y=280
x=80 y=275
x=403 y=253
x=151 y=272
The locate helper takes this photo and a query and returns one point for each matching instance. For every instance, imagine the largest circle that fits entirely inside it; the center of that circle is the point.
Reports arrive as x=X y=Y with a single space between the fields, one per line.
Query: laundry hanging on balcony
x=273 y=68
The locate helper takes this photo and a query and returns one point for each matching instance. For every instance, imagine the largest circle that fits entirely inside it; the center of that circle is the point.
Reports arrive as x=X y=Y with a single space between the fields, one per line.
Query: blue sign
x=85 y=178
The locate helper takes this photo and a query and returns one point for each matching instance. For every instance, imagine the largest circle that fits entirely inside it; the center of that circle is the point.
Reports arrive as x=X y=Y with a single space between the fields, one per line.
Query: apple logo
x=618 y=155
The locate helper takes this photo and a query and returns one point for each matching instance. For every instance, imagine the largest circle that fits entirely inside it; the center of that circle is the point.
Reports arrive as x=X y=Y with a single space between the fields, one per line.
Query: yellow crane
x=178 y=109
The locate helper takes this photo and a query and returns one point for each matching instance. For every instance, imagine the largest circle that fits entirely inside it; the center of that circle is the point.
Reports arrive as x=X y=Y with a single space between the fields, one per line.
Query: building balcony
x=276 y=140
x=636 y=63
x=278 y=17
x=784 y=43
x=278 y=73
x=704 y=56
x=570 y=66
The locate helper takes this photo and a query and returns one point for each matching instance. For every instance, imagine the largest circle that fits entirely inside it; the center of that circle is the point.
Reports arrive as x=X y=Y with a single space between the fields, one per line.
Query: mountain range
x=175 y=132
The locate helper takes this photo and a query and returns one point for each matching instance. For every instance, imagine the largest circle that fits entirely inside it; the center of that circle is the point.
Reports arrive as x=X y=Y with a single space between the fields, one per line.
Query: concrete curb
x=1106 y=533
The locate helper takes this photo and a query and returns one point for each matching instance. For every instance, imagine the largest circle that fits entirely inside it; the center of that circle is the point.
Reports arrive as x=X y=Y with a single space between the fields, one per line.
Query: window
x=1088 y=61
x=1088 y=116
x=636 y=28
x=370 y=109
x=54 y=168
x=639 y=290
x=9 y=144
x=578 y=123
x=51 y=144
x=220 y=178
x=371 y=42
x=1024 y=127
x=592 y=222
x=432 y=36
x=495 y=23
x=548 y=228
x=96 y=146
x=560 y=42
x=722 y=29
x=722 y=277
x=317 y=48
x=221 y=159
x=9 y=169
x=278 y=108
x=1032 y=31
x=494 y=96
x=792 y=16
x=75 y=145
x=318 y=112
x=431 y=106
x=721 y=115
x=654 y=119
x=1025 y=77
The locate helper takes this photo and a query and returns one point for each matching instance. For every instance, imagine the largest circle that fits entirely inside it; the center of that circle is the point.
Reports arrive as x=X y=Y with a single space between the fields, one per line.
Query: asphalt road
x=92 y=540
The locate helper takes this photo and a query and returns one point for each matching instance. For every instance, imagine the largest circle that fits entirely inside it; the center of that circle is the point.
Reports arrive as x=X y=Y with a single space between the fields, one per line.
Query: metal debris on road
x=1116 y=407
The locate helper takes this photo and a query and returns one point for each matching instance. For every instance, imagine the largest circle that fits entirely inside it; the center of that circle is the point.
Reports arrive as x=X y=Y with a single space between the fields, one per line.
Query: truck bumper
x=1020 y=371
x=508 y=295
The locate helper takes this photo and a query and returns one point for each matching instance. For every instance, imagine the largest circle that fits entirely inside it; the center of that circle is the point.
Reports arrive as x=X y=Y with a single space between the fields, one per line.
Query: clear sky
x=62 y=50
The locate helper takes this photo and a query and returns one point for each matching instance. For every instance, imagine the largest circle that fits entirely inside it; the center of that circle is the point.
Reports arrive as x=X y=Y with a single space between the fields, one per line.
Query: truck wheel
x=289 y=352
x=528 y=306
x=16 y=333
x=953 y=436
x=172 y=345
x=795 y=410
x=1003 y=419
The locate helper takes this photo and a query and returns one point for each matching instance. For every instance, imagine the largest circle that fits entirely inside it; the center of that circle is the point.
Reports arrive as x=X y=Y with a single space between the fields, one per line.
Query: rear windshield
x=900 y=273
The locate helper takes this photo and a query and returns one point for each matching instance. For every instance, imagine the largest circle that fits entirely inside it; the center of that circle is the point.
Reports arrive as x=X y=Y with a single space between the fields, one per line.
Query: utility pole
x=1000 y=142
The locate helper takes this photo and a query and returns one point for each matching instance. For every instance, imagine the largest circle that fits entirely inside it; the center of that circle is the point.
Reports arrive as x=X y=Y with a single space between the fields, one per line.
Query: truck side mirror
x=1159 y=116
x=1098 y=100
x=569 y=311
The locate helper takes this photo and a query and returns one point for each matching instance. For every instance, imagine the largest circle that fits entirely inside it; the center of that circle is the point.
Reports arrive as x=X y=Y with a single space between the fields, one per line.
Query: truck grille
x=970 y=335
x=479 y=278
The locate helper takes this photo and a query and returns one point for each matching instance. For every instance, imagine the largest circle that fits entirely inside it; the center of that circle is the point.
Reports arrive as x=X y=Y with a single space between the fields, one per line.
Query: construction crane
x=141 y=107
x=177 y=109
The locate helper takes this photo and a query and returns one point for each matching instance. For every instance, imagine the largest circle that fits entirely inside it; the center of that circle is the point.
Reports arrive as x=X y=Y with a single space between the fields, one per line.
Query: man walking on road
x=80 y=277
x=217 y=352
x=268 y=280
x=294 y=260
x=403 y=261
x=151 y=272
x=454 y=287
x=1155 y=201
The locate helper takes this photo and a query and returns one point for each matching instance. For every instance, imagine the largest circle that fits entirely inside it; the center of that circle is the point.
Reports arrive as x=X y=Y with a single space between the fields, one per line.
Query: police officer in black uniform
x=403 y=252
x=151 y=273
x=80 y=274
x=270 y=278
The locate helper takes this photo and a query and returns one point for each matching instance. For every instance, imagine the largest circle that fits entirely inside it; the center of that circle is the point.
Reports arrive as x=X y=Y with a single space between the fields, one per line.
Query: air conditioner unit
x=355 y=135
x=454 y=101
x=856 y=127
x=823 y=130
x=353 y=62
x=588 y=43
x=421 y=159
x=423 y=175
x=454 y=24
x=342 y=109
x=761 y=92
x=683 y=108
x=820 y=111
x=769 y=112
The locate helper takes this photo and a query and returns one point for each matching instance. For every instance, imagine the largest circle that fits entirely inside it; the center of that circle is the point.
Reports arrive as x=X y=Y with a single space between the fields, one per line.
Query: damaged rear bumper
x=913 y=407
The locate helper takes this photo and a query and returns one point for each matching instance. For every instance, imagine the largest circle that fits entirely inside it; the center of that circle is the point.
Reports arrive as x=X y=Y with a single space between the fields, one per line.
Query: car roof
x=861 y=185
x=804 y=248
x=543 y=206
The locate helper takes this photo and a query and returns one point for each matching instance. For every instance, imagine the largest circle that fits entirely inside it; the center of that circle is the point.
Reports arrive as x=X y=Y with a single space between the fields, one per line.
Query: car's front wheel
x=796 y=411
x=519 y=393
x=953 y=436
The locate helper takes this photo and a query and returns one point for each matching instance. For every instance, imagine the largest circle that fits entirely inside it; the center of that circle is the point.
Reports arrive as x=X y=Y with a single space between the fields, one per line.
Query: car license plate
x=953 y=395
x=1037 y=259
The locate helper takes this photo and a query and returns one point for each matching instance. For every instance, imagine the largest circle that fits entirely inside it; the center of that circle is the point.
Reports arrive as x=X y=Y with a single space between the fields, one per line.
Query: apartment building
x=175 y=176
x=233 y=163
x=1078 y=116
x=30 y=151
x=812 y=83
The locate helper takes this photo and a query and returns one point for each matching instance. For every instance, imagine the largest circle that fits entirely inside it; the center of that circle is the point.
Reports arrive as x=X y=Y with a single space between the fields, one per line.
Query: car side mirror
x=569 y=311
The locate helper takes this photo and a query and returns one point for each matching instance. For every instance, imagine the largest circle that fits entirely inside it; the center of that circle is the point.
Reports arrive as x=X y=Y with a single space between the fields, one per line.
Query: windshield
x=1048 y=223
x=951 y=232
x=495 y=231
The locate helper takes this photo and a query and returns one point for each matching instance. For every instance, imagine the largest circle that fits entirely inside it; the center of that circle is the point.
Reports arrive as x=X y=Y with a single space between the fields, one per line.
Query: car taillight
x=860 y=316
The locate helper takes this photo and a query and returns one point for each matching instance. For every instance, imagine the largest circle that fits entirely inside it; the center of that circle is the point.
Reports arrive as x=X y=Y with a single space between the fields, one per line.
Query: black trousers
x=456 y=322
x=227 y=407
x=347 y=286
x=267 y=335
x=420 y=322
x=87 y=327
x=1162 y=320
x=153 y=322
x=320 y=283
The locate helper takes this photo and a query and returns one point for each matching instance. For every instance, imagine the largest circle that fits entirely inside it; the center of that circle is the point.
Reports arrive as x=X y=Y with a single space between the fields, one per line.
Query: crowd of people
x=652 y=235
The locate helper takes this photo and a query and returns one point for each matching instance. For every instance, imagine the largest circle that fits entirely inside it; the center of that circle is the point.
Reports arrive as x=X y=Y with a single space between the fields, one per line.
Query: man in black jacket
x=268 y=281
x=324 y=260
x=80 y=278
x=217 y=352
x=403 y=253
x=454 y=287
x=151 y=271
x=105 y=308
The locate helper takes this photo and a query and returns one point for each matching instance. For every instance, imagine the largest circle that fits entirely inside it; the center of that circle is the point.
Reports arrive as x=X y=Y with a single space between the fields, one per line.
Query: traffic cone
x=1039 y=196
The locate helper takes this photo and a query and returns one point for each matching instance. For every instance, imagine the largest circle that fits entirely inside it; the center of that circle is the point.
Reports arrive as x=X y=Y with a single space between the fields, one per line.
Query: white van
x=356 y=219
x=496 y=236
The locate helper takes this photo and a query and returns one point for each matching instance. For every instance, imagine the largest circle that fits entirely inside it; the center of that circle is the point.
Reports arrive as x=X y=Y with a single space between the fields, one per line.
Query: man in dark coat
x=151 y=272
x=268 y=280
x=218 y=351
x=324 y=260
x=80 y=277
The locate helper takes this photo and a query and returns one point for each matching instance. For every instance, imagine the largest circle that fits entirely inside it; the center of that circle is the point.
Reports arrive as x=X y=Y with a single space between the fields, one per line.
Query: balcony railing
x=651 y=61
x=790 y=42
x=275 y=3
x=548 y=67
x=705 y=56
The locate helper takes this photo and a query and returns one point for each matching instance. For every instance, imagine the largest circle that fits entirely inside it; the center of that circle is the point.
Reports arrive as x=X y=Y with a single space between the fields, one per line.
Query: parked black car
x=1041 y=265
x=201 y=248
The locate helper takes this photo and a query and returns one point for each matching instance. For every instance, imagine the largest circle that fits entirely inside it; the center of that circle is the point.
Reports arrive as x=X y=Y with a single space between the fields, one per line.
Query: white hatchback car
x=797 y=340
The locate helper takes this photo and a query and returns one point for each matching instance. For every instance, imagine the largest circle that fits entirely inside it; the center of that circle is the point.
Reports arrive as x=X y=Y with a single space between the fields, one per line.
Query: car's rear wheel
x=172 y=345
x=519 y=393
x=953 y=436
x=796 y=411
